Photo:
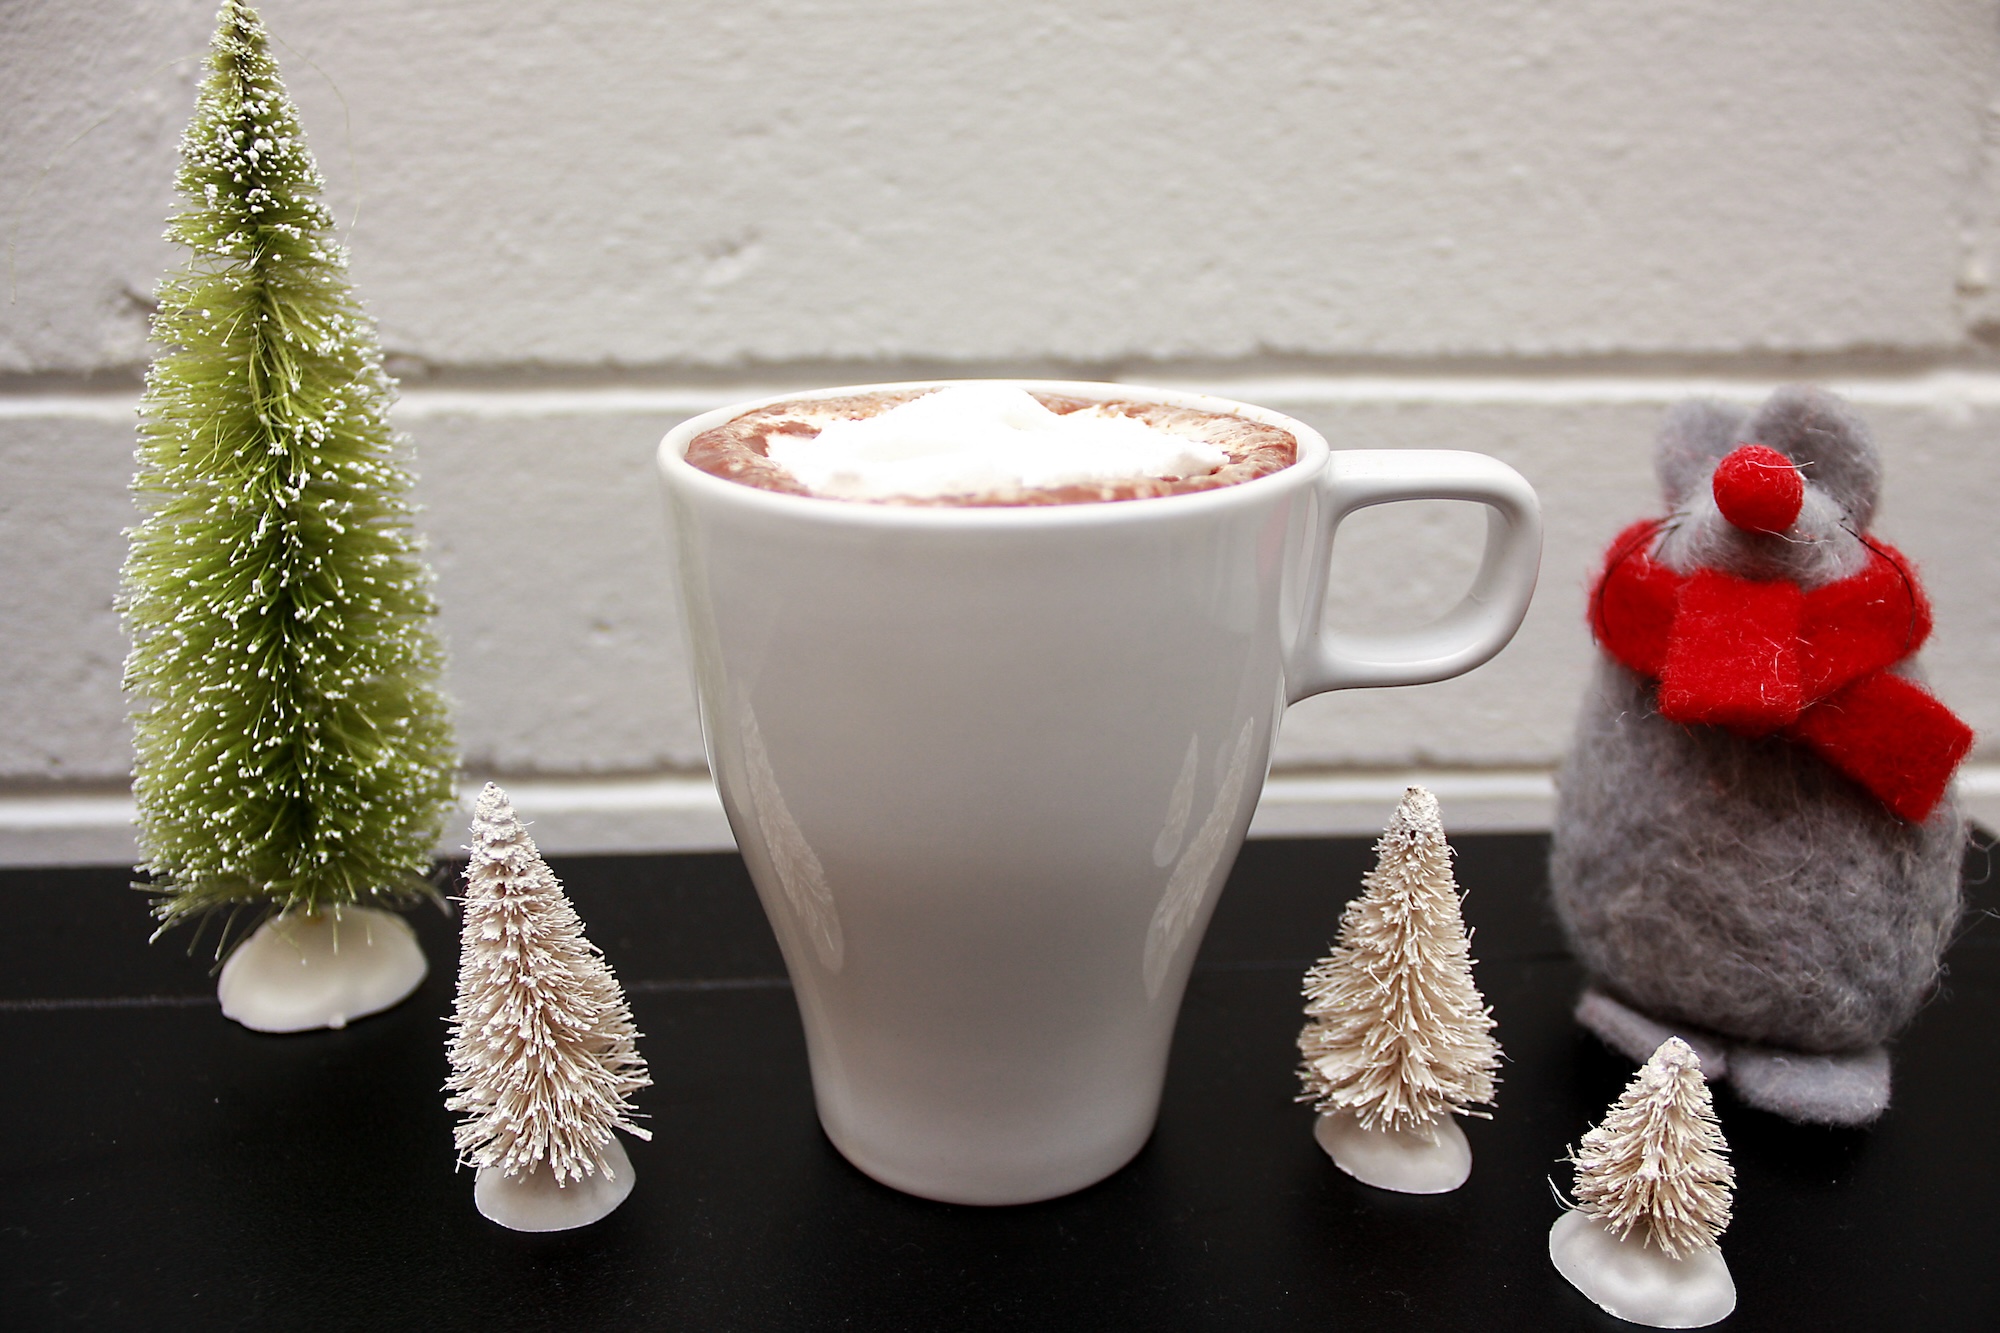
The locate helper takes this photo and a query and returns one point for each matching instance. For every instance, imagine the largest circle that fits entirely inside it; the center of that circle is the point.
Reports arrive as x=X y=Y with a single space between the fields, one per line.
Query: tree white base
x=1435 y=1160
x=535 y=1202
x=300 y=972
x=1638 y=1282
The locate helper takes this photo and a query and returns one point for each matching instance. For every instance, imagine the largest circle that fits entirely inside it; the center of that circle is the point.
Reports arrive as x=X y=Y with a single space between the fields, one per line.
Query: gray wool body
x=1741 y=885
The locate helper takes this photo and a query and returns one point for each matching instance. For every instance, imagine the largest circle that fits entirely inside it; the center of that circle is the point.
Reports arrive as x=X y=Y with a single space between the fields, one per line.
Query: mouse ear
x=1830 y=444
x=1695 y=434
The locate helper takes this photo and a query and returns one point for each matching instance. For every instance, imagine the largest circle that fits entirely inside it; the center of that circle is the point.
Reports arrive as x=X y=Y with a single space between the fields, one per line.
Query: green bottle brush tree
x=294 y=756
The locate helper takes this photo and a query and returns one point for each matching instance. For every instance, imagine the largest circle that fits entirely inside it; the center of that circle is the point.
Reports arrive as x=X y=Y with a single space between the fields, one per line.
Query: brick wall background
x=1511 y=227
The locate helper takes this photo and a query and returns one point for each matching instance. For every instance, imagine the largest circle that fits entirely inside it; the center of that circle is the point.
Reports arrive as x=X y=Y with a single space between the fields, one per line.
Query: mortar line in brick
x=1926 y=388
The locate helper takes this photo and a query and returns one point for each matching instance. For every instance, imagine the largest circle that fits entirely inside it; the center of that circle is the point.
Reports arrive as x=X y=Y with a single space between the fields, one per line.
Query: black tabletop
x=165 y=1169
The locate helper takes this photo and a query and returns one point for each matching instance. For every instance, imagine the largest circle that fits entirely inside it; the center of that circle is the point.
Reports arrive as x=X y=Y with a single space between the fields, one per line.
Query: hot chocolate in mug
x=989 y=767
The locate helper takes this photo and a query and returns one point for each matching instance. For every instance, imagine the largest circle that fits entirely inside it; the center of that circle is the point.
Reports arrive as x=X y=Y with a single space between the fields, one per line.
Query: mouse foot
x=1635 y=1036
x=1848 y=1089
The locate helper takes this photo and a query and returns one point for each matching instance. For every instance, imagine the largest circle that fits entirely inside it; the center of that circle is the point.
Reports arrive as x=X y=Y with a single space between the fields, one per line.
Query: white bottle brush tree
x=1399 y=1040
x=1652 y=1197
x=543 y=1051
x=294 y=758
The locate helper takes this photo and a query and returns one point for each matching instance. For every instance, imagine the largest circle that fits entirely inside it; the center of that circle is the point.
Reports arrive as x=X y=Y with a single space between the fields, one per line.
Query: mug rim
x=674 y=468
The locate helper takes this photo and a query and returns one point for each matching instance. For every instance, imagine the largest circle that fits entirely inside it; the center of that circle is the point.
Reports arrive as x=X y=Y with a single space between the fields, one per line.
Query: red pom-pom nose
x=1758 y=489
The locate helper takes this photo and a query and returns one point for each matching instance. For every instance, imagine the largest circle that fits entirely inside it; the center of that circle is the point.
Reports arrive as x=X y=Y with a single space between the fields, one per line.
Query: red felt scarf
x=1763 y=658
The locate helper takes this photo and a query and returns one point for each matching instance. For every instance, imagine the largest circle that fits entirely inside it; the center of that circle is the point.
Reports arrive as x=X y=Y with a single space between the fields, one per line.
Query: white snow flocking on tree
x=1652 y=1196
x=543 y=1050
x=1399 y=1039
x=1656 y=1166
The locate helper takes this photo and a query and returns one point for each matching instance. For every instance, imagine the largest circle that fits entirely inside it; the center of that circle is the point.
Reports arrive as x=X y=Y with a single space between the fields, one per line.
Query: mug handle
x=1465 y=636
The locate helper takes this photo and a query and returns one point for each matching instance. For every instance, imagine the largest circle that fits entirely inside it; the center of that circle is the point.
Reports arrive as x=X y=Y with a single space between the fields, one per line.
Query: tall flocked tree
x=293 y=751
x=1398 y=1039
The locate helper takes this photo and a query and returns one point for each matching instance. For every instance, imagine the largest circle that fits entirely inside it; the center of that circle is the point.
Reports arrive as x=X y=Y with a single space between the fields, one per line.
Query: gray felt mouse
x=1756 y=844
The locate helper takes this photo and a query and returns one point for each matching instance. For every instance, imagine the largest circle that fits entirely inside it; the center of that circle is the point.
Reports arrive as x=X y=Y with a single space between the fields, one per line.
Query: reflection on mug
x=797 y=866
x=1181 y=804
x=1175 y=915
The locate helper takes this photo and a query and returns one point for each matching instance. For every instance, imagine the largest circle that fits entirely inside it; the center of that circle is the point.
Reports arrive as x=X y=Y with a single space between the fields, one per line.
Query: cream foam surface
x=976 y=439
x=981 y=444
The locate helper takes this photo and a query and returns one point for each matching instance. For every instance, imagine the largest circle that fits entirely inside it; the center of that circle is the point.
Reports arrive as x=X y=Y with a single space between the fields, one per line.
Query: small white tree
x=1655 y=1168
x=1399 y=1035
x=1652 y=1197
x=543 y=1050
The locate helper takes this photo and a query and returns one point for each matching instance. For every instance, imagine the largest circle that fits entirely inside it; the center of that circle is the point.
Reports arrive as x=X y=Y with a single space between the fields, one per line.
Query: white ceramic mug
x=988 y=768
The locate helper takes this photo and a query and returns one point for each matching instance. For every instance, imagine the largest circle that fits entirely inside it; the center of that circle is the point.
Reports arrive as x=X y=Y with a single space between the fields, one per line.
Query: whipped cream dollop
x=979 y=439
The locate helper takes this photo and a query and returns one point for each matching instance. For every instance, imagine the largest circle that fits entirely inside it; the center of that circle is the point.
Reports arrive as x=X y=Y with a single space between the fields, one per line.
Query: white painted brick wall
x=1515 y=227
